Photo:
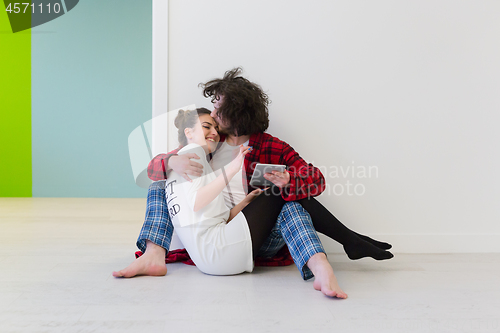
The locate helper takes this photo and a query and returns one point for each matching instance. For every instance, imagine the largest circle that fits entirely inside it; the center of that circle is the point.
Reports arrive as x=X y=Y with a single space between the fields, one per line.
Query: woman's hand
x=183 y=165
x=249 y=198
x=235 y=164
x=254 y=194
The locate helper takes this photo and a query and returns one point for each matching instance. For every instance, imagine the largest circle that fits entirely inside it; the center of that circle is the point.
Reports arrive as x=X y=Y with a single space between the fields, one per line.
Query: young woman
x=222 y=241
x=217 y=239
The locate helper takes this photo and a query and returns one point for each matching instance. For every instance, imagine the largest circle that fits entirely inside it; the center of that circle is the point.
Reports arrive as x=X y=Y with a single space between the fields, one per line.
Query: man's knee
x=157 y=186
x=292 y=205
x=156 y=193
x=293 y=211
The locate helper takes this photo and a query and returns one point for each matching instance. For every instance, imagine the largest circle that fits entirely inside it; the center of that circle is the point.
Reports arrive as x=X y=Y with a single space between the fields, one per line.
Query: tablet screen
x=260 y=170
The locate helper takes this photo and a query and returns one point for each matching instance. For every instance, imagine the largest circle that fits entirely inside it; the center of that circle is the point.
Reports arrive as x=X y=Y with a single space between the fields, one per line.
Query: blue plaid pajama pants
x=293 y=228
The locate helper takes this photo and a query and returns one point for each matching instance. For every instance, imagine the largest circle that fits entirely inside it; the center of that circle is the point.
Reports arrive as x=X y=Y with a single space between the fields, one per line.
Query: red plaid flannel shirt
x=305 y=179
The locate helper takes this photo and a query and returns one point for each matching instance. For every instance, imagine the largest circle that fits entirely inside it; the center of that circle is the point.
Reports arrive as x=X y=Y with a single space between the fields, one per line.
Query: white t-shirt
x=216 y=247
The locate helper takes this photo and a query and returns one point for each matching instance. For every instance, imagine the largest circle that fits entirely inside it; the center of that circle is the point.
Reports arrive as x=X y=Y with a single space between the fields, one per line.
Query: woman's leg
x=355 y=245
x=261 y=215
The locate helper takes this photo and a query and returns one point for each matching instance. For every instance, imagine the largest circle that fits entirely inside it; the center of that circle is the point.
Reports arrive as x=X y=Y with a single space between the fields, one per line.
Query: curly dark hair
x=245 y=103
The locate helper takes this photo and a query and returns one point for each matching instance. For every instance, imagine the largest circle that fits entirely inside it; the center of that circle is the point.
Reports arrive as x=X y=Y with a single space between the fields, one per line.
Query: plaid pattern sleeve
x=157 y=168
x=305 y=179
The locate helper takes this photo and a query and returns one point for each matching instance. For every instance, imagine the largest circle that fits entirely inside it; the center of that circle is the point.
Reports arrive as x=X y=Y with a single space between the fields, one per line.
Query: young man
x=240 y=108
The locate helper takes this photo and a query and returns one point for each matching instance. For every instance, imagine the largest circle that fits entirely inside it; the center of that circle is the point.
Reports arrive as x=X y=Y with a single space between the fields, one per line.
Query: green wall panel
x=15 y=110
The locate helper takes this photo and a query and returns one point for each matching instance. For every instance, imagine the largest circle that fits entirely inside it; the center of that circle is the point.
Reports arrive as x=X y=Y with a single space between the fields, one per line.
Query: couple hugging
x=222 y=227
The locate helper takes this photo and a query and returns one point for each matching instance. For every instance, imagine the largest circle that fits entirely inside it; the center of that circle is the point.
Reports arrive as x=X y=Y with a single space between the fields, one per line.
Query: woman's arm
x=209 y=192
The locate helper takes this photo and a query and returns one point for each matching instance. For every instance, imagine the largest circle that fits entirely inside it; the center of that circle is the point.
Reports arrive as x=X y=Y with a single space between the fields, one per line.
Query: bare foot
x=325 y=280
x=152 y=263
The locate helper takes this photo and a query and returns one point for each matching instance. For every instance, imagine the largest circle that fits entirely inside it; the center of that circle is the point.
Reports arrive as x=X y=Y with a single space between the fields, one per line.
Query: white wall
x=409 y=87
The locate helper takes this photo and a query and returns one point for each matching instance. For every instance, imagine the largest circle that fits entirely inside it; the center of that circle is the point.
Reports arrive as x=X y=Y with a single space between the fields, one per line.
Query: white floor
x=57 y=255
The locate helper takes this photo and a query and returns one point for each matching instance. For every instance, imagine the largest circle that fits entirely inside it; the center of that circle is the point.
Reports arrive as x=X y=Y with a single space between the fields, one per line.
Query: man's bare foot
x=325 y=280
x=152 y=263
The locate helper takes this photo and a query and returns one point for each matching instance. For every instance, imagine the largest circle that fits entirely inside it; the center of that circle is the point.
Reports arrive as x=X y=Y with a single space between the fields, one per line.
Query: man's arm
x=305 y=179
x=301 y=179
x=161 y=164
x=157 y=168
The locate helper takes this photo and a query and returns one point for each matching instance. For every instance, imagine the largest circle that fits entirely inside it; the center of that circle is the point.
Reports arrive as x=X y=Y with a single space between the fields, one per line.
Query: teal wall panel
x=91 y=86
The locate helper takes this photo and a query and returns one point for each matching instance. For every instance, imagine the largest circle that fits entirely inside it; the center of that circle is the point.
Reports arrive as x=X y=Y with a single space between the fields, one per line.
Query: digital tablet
x=261 y=169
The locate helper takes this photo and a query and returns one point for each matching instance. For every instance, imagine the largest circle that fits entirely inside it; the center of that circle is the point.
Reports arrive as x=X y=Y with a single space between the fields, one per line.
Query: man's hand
x=280 y=179
x=184 y=166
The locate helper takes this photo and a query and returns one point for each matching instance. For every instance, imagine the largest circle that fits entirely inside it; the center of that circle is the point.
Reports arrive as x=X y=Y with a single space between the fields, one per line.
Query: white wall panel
x=407 y=87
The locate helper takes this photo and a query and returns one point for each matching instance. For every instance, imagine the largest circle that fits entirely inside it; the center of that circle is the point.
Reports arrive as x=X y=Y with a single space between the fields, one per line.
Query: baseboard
x=430 y=243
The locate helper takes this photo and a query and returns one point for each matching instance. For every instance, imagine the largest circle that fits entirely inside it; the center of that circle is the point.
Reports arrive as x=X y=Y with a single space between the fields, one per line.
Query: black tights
x=262 y=213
